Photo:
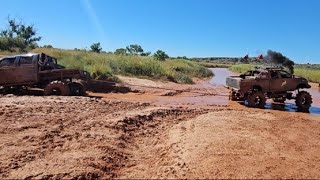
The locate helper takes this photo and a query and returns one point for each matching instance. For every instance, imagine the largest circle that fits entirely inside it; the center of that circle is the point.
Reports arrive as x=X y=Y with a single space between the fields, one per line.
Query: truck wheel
x=257 y=100
x=232 y=96
x=77 y=89
x=57 y=88
x=303 y=101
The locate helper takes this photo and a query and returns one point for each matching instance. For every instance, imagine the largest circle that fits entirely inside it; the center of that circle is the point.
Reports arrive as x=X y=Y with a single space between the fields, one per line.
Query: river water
x=220 y=80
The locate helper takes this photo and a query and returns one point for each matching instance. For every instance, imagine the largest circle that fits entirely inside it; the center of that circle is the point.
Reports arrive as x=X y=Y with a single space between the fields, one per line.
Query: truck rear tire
x=303 y=101
x=232 y=96
x=77 y=89
x=57 y=88
x=257 y=99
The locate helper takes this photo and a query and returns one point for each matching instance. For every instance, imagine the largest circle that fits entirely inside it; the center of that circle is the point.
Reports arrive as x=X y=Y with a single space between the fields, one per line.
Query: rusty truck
x=262 y=83
x=41 y=71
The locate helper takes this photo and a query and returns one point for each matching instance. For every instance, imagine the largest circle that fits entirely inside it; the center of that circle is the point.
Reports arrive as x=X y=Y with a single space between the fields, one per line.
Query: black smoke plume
x=278 y=58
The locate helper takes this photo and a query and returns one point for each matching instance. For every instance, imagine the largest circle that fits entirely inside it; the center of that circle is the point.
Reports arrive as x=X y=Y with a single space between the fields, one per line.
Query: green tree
x=48 y=46
x=145 y=54
x=160 y=55
x=134 y=49
x=121 y=51
x=96 y=47
x=183 y=57
x=18 y=36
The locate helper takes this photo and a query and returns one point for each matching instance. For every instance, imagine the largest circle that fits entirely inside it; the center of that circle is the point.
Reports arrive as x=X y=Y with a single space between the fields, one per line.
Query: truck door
x=7 y=66
x=262 y=80
x=279 y=81
x=288 y=83
x=26 y=71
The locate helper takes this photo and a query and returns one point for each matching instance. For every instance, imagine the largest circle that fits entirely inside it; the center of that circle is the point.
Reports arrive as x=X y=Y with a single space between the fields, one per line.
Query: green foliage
x=183 y=57
x=48 y=46
x=134 y=49
x=106 y=66
x=96 y=47
x=121 y=51
x=18 y=36
x=160 y=55
x=146 y=54
x=313 y=75
x=241 y=68
x=14 y=44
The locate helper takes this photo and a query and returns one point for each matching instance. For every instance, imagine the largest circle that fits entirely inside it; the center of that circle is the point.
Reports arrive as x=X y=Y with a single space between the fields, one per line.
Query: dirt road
x=163 y=131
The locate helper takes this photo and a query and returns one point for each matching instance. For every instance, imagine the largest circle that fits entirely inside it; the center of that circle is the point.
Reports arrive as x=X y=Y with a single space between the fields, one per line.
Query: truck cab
x=19 y=70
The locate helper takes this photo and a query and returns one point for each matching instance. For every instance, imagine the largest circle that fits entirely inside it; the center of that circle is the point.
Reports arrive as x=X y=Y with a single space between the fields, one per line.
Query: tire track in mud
x=72 y=137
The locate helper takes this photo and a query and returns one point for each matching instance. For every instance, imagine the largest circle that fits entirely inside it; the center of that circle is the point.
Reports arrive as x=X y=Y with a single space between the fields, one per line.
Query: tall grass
x=106 y=66
x=312 y=75
x=241 y=68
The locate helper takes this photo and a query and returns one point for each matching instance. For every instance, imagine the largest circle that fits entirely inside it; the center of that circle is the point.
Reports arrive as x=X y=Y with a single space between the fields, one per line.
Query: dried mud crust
x=75 y=137
x=229 y=144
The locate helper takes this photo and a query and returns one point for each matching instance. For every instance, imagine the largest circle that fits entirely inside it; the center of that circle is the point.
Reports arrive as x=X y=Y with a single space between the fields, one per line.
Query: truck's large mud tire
x=303 y=101
x=77 y=89
x=232 y=96
x=257 y=100
x=57 y=88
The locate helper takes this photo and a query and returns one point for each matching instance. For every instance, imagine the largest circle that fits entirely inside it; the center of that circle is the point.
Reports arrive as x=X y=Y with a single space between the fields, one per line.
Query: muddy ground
x=162 y=130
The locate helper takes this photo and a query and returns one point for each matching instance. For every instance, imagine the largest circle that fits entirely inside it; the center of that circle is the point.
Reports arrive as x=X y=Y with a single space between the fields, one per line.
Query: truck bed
x=58 y=74
x=233 y=82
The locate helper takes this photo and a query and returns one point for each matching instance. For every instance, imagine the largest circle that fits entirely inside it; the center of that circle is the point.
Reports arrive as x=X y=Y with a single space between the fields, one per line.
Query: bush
x=12 y=44
x=106 y=66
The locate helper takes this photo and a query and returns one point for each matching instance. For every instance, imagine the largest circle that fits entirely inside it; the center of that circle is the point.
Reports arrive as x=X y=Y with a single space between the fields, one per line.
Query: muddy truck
x=260 y=84
x=40 y=71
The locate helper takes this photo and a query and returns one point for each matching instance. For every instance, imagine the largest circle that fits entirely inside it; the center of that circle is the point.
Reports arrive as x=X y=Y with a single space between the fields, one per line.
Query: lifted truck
x=257 y=85
x=41 y=71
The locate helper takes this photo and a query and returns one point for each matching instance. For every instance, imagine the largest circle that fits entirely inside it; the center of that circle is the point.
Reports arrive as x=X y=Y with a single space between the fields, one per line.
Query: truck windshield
x=285 y=74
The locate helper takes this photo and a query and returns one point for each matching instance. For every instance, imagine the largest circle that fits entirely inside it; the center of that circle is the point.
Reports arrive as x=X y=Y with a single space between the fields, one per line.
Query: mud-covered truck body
x=42 y=71
x=256 y=85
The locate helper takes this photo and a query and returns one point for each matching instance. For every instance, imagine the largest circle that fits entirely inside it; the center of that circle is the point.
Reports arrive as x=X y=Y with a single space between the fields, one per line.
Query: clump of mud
x=171 y=93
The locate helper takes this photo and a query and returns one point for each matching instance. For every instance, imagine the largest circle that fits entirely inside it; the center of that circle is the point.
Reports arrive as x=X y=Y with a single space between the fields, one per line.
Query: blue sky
x=193 y=28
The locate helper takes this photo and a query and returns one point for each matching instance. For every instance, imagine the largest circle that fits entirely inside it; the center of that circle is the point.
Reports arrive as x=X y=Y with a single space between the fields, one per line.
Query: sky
x=192 y=28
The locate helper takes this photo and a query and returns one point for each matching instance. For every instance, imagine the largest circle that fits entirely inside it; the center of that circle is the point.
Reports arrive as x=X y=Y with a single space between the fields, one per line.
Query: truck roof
x=270 y=68
x=19 y=55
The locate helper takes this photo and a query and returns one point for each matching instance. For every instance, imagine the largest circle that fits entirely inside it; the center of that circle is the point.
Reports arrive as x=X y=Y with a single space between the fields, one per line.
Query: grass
x=241 y=68
x=106 y=66
x=311 y=73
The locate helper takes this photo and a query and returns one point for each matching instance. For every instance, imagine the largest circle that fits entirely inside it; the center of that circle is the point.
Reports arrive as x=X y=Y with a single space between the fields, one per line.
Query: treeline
x=133 y=49
x=19 y=37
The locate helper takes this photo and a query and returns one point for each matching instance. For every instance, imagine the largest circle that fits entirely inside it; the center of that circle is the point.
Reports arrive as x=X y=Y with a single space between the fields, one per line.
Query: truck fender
x=303 y=86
